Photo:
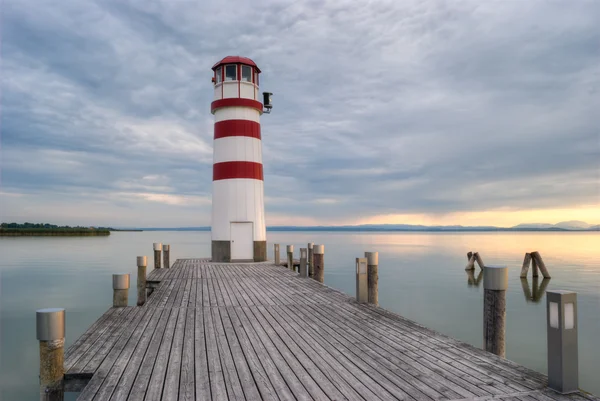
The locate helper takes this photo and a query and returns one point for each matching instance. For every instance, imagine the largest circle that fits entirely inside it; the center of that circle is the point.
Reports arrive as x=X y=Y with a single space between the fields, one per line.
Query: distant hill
x=565 y=225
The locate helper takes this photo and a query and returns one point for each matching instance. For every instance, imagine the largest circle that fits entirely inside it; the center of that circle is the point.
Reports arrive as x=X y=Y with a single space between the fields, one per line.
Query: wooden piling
x=50 y=327
x=526 y=263
x=303 y=269
x=166 y=256
x=470 y=261
x=537 y=258
x=276 y=256
x=310 y=259
x=142 y=261
x=479 y=260
x=373 y=277
x=157 y=250
x=290 y=257
x=495 y=283
x=120 y=290
x=319 y=262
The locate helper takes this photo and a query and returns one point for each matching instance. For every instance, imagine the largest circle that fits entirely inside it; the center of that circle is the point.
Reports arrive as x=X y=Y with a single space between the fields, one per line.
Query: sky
x=415 y=112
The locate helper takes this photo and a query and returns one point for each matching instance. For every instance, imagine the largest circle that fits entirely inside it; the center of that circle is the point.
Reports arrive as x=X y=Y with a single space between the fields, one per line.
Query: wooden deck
x=258 y=331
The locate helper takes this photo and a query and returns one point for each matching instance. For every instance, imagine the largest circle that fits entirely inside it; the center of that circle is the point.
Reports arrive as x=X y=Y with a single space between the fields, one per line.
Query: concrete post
x=277 y=255
x=319 y=262
x=310 y=259
x=303 y=270
x=373 y=276
x=50 y=328
x=362 y=285
x=563 y=363
x=495 y=283
x=120 y=290
x=142 y=262
x=290 y=257
x=166 y=256
x=157 y=250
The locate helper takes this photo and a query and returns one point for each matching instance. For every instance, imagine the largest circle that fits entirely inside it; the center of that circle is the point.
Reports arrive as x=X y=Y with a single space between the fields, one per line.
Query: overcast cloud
x=381 y=107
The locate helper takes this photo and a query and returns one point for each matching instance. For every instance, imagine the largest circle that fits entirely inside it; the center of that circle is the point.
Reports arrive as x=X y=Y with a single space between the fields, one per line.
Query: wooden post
x=157 y=250
x=534 y=268
x=120 y=290
x=479 y=260
x=526 y=263
x=373 y=276
x=142 y=261
x=563 y=363
x=50 y=328
x=277 y=255
x=362 y=281
x=310 y=259
x=303 y=270
x=166 y=256
x=495 y=283
x=290 y=257
x=540 y=263
x=319 y=262
x=471 y=261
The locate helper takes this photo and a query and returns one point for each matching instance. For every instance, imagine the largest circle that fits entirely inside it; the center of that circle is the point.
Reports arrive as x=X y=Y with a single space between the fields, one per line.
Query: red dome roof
x=235 y=60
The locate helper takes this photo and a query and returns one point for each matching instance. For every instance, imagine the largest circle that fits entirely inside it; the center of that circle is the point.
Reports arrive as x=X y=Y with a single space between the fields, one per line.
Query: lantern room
x=236 y=77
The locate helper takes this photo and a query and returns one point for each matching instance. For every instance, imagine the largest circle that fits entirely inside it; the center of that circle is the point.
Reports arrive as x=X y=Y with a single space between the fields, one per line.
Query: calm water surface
x=421 y=276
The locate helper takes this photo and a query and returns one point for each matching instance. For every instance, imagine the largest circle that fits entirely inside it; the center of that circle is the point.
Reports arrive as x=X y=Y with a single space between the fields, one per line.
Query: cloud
x=381 y=108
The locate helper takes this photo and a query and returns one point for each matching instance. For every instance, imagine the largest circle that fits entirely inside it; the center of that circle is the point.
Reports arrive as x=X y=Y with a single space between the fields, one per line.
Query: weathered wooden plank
x=215 y=370
x=201 y=372
x=187 y=385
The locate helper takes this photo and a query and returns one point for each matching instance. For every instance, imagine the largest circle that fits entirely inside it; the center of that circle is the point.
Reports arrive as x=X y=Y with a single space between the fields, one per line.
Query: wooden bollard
x=319 y=262
x=373 y=276
x=290 y=257
x=120 y=290
x=50 y=328
x=537 y=260
x=166 y=256
x=142 y=262
x=479 y=260
x=303 y=270
x=526 y=263
x=495 y=284
x=362 y=281
x=563 y=358
x=157 y=250
x=310 y=259
x=470 y=261
x=277 y=255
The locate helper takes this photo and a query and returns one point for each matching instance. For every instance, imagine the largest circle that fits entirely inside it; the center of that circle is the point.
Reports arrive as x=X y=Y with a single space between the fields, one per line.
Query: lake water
x=421 y=276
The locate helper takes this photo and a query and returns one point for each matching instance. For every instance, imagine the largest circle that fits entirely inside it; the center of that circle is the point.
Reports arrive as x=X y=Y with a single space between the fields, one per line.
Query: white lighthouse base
x=221 y=252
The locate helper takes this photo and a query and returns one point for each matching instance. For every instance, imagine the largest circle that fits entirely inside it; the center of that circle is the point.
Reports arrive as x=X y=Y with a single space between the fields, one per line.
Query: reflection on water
x=471 y=280
x=537 y=291
x=421 y=276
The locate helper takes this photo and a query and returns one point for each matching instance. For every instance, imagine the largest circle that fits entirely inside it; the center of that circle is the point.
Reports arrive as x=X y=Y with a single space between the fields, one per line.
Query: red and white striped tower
x=238 y=213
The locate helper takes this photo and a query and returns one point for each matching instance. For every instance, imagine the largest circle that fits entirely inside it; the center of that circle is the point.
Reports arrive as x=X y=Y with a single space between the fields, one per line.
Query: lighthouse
x=238 y=213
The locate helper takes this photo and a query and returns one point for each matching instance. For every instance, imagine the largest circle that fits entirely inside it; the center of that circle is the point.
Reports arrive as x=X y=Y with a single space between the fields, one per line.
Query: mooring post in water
x=319 y=262
x=373 y=276
x=526 y=263
x=310 y=259
x=157 y=249
x=50 y=327
x=495 y=284
x=142 y=262
x=166 y=256
x=479 y=260
x=277 y=256
x=470 y=261
x=303 y=270
x=362 y=281
x=563 y=364
x=537 y=259
x=120 y=290
x=290 y=257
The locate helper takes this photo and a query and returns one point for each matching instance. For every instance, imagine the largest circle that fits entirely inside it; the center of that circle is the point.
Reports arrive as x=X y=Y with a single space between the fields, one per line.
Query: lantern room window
x=230 y=72
x=219 y=74
x=246 y=73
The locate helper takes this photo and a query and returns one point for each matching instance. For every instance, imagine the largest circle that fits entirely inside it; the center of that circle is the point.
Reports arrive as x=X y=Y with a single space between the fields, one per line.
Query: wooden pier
x=212 y=331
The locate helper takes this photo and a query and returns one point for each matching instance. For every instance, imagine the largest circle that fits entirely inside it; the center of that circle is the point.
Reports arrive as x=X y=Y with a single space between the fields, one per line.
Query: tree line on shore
x=49 y=229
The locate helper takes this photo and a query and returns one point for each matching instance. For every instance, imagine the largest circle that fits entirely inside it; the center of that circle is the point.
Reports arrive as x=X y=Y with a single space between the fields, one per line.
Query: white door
x=242 y=241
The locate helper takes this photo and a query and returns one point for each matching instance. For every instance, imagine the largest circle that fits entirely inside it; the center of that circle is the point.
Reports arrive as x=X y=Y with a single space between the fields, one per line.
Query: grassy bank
x=52 y=232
